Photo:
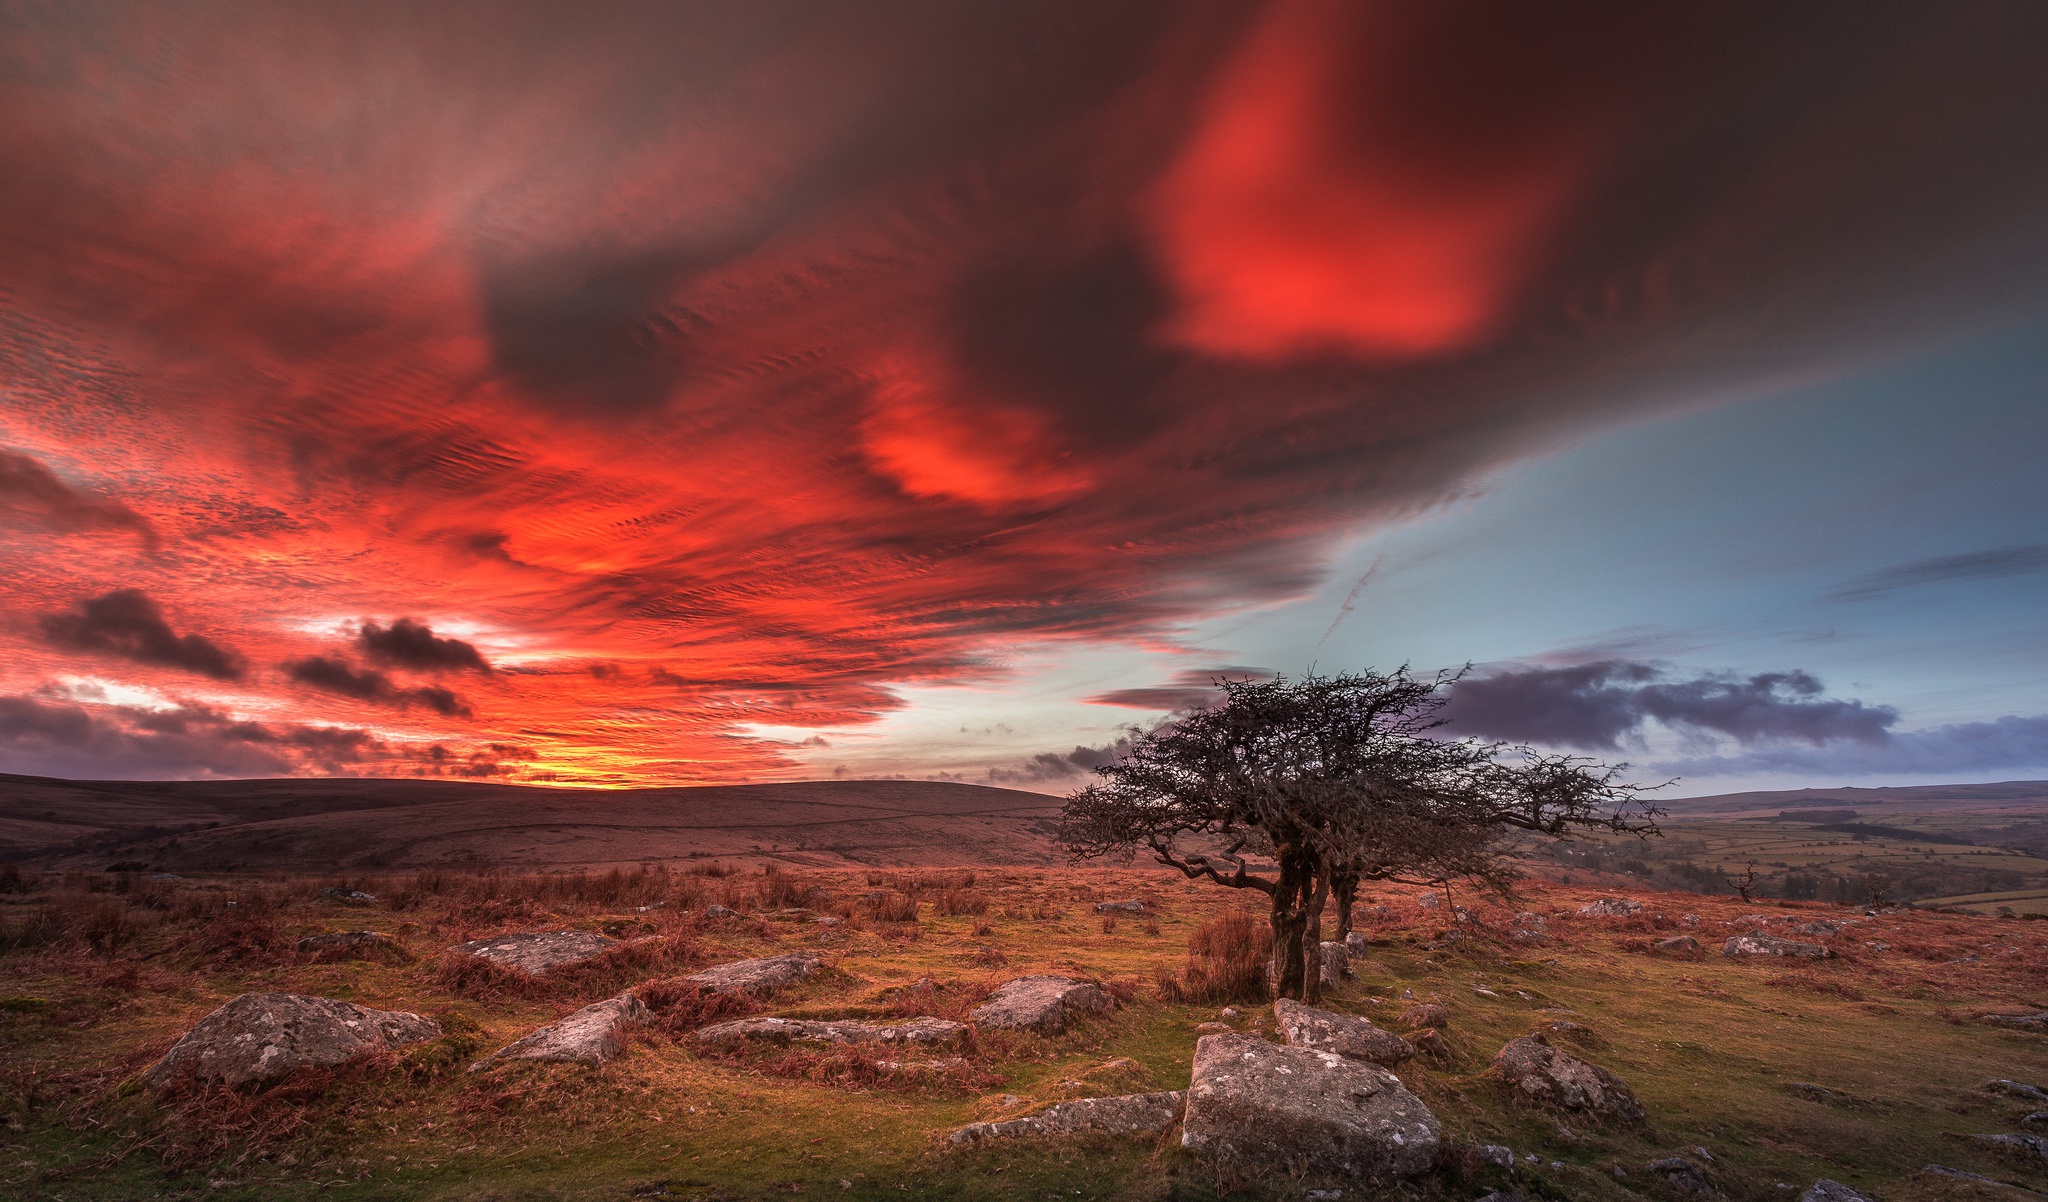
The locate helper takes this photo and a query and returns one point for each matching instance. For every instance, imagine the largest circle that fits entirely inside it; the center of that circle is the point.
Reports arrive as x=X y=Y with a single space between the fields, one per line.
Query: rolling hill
x=330 y=824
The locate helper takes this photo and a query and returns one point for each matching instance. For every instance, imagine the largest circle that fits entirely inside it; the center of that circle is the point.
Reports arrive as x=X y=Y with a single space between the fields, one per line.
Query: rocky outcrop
x=348 y=945
x=1610 y=907
x=1771 y=945
x=917 y=1031
x=1043 y=1004
x=539 y=951
x=592 y=1035
x=1304 y=1026
x=260 y=1037
x=759 y=977
x=1138 y=1114
x=2017 y=1089
x=1268 y=1110
x=1677 y=945
x=1544 y=1074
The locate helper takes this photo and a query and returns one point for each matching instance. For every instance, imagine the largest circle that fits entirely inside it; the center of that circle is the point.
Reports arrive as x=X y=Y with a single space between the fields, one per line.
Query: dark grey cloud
x=53 y=737
x=1193 y=687
x=1994 y=564
x=2015 y=743
x=1598 y=705
x=409 y=644
x=126 y=623
x=332 y=675
x=32 y=494
x=1048 y=767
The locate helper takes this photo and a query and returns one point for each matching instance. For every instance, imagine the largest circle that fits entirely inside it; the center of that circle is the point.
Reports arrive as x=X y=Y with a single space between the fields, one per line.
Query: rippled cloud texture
x=566 y=391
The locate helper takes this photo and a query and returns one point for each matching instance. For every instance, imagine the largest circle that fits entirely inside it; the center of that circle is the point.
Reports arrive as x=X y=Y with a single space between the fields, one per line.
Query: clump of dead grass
x=1226 y=962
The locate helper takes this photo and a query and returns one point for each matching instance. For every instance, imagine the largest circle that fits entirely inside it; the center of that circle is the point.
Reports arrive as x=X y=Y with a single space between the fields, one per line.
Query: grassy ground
x=100 y=982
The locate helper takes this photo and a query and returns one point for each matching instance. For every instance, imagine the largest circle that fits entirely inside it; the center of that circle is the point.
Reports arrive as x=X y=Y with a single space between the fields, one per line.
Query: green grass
x=1710 y=1045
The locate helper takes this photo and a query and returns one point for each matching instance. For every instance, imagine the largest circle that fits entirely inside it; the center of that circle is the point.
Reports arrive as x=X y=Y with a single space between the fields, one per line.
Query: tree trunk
x=1312 y=940
x=1290 y=921
x=1344 y=887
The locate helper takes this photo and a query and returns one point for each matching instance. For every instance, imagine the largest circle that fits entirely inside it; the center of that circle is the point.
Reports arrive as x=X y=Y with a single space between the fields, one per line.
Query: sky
x=633 y=394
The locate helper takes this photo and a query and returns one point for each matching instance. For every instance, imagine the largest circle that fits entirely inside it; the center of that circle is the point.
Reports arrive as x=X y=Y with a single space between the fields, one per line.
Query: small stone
x=1212 y=1026
x=539 y=951
x=1611 y=907
x=1682 y=1175
x=717 y=911
x=759 y=976
x=1431 y=1042
x=1356 y=943
x=1133 y=906
x=347 y=945
x=336 y=893
x=1336 y=964
x=1681 y=945
x=1045 y=1004
x=1770 y=945
x=589 y=1036
x=1825 y=1190
x=1428 y=901
x=1555 y=1078
x=1500 y=1156
x=1145 y=1114
x=2037 y=1119
x=924 y=1030
x=948 y=1064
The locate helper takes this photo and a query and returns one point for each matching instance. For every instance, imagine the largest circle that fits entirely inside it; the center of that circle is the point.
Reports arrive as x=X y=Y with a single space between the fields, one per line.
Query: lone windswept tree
x=1298 y=789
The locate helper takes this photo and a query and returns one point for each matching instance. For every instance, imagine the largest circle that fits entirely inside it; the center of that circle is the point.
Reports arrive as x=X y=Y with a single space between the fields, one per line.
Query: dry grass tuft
x=1227 y=958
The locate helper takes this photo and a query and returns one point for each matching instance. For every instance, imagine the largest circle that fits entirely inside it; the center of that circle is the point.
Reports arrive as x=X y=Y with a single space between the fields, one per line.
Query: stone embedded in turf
x=1544 y=1074
x=2017 y=1089
x=2032 y=1147
x=1349 y=1035
x=539 y=951
x=1426 y=1014
x=589 y=1036
x=347 y=945
x=1611 y=907
x=760 y=976
x=1139 y=1114
x=1336 y=963
x=1825 y=1190
x=1771 y=945
x=1044 y=1004
x=2019 y=1022
x=1682 y=1175
x=1133 y=906
x=922 y=1030
x=1677 y=945
x=1267 y=1110
x=260 y=1037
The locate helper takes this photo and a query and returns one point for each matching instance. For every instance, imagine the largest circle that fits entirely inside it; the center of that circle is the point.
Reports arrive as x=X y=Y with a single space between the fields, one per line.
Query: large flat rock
x=539 y=951
x=760 y=976
x=1138 y=1114
x=592 y=1035
x=1043 y=1004
x=1267 y=1110
x=1771 y=945
x=260 y=1037
x=1556 y=1078
x=1305 y=1026
x=916 y=1031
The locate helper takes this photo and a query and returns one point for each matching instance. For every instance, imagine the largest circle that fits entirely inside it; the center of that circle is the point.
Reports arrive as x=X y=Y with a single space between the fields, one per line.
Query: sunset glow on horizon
x=635 y=394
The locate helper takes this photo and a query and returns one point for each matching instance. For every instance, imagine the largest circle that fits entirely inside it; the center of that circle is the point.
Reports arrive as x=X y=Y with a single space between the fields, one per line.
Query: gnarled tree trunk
x=1344 y=887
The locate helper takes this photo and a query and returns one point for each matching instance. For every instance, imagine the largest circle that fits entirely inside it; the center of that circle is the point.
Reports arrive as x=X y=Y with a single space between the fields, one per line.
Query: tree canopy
x=1303 y=789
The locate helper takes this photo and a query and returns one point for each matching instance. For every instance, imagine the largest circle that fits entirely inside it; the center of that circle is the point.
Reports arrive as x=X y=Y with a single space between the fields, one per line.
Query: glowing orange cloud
x=1321 y=205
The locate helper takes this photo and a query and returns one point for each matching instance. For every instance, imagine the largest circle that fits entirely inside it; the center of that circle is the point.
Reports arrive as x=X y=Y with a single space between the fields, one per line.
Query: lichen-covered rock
x=348 y=945
x=1268 y=1110
x=1544 y=1074
x=1611 y=907
x=1771 y=945
x=539 y=951
x=1139 y=1114
x=589 y=1036
x=1304 y=1026
x=1336 y=963
x=1044 y=1004
x=2017 y=1089
x=1357 y=943
x=1133 y=906
x=258 y=1038
x=760 y=976
x=924 y=1030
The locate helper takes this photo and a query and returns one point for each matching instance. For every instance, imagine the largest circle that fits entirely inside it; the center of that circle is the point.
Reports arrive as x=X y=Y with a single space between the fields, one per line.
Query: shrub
x=1227 y=961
